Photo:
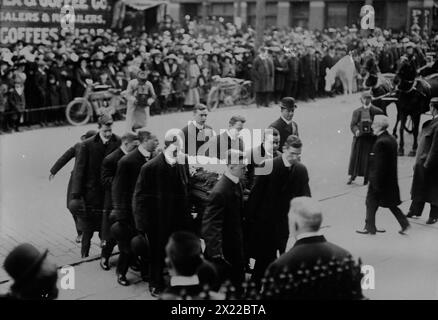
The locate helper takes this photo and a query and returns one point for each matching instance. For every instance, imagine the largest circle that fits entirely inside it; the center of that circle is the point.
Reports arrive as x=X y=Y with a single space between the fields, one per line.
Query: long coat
x=425 y=181
x=281 y=69
x=109 y=168
x=160 y=202
x=268 y=205
x=192 y=133
x=285 y=130
x=123 y=186
x=222 y=227
x=383 y=179
x=87 y=172
x=62 y=161
x=221 y=144
x=362 y=145
x=263 y=75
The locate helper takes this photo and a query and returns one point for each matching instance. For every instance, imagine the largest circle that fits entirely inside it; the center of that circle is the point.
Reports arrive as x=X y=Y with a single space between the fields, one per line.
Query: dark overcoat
x=87 y=172
x=263 y=75
x=425 y=181
x=62 y=161
x=161 y=202
x=383 y=186
x=123 y=185
x=268 y=205
x=285 y=130
x=222 y=221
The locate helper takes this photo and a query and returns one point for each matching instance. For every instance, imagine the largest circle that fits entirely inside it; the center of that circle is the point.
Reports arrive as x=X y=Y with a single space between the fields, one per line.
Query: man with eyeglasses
x=285 y=125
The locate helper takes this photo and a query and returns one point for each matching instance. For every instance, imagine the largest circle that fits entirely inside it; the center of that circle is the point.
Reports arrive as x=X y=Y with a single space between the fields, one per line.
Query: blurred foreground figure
x=34 y=275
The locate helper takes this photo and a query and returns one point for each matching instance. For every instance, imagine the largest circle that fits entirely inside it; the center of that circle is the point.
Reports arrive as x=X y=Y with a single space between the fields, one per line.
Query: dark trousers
x=264 y=260
x=372 y=205
x=291 y=89
x=109 y=241
x=417 y=208
x=262 y=98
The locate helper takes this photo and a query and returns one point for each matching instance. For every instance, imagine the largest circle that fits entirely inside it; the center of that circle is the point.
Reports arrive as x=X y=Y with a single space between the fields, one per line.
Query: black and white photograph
x=241 y=152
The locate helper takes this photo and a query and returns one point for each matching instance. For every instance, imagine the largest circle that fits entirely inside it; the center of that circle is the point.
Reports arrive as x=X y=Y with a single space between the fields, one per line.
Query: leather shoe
x=365 y=231
x=155 y=292
x=78 y=238
x=404 y=229
x=381 y=230
x=121 y=279
x=104 y=264
x=431 y=220
x=411 y=215
x=350 y=181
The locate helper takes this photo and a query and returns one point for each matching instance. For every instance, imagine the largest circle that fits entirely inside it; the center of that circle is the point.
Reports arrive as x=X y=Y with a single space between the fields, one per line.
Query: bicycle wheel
x=78 y=112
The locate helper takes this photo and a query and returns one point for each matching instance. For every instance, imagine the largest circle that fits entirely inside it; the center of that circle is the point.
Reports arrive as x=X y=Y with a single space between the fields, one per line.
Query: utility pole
x=260 y=22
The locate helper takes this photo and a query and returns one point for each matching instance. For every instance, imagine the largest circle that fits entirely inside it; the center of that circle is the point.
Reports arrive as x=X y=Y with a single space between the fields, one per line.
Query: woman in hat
x=228 y=67
x=82 y=76
x=170 y=66
x=214 y=65
x=140 y=95
x=193 y=73
x=17 y=103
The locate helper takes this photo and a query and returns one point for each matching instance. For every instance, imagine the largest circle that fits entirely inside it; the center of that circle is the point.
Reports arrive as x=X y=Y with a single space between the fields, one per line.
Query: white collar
x=287 y=121
x=231 y=177
x=286 y=163
x=122 y=147
x=169 y=158
x=308 y=235
x=143 y=151
x=104 y=140
x=197 y=125
x=184 y=281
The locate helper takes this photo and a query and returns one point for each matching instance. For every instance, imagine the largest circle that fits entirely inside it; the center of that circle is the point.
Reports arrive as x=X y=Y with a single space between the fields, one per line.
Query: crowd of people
x=37 y=81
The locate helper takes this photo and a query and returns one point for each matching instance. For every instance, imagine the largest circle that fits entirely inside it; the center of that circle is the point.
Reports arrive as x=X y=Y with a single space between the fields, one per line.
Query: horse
x=344 y=69
x=413 y=96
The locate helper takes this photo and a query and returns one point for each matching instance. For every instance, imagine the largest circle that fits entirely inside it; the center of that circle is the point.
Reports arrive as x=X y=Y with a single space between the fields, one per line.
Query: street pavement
x=33 y=209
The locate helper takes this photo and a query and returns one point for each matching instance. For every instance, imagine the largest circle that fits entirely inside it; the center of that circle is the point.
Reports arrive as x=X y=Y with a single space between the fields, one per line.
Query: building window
x=299 y=14
x=271 y=11
x=341 y=14
x=223 y=9
x=191 y=9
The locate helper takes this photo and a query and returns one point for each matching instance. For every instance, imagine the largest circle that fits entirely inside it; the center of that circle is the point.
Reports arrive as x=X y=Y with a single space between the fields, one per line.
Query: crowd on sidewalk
x=37 y=81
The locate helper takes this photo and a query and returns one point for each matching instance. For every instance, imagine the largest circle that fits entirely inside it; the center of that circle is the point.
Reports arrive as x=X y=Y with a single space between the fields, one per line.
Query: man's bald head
x=305 y=215
x=380 y=123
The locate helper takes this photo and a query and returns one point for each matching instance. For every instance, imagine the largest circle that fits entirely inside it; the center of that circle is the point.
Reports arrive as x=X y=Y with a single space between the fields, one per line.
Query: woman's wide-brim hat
x=171 y=57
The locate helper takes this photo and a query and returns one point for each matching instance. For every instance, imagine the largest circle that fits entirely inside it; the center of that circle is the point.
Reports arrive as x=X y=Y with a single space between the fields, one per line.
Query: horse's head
x=330 y=78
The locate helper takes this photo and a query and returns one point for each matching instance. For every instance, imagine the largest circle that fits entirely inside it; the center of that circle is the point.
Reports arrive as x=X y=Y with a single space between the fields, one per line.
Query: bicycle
x=97 y=100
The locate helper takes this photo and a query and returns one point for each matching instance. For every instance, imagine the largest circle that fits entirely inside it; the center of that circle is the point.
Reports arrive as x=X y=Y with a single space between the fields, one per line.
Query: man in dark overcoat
x=285 y=125
x=268 y=205
x=161 y=204
x=425 y=182
x=263 y=76
x=121 y=217
x=292 y=76
x=222 y=222
x=87 y=191
x=383 y=190
x=71 y=153
x=109 y=167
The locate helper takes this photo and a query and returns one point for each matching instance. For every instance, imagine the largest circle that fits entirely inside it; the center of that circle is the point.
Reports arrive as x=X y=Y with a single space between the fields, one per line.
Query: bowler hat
x=288 y=103
x=120 y=231
x=140 y=245
x=89 y=134
x=24 y=262
x=77 y=207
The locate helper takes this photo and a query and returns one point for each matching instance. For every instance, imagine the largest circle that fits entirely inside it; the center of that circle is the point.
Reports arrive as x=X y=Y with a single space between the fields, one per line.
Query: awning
x=144 y=4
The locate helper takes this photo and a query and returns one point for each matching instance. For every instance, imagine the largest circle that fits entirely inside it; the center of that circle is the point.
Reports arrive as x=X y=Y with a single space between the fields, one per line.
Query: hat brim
x=31 y=270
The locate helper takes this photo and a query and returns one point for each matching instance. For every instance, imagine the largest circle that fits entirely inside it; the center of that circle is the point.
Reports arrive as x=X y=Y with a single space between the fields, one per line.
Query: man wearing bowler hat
x=34 y=275
x=285 y=125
